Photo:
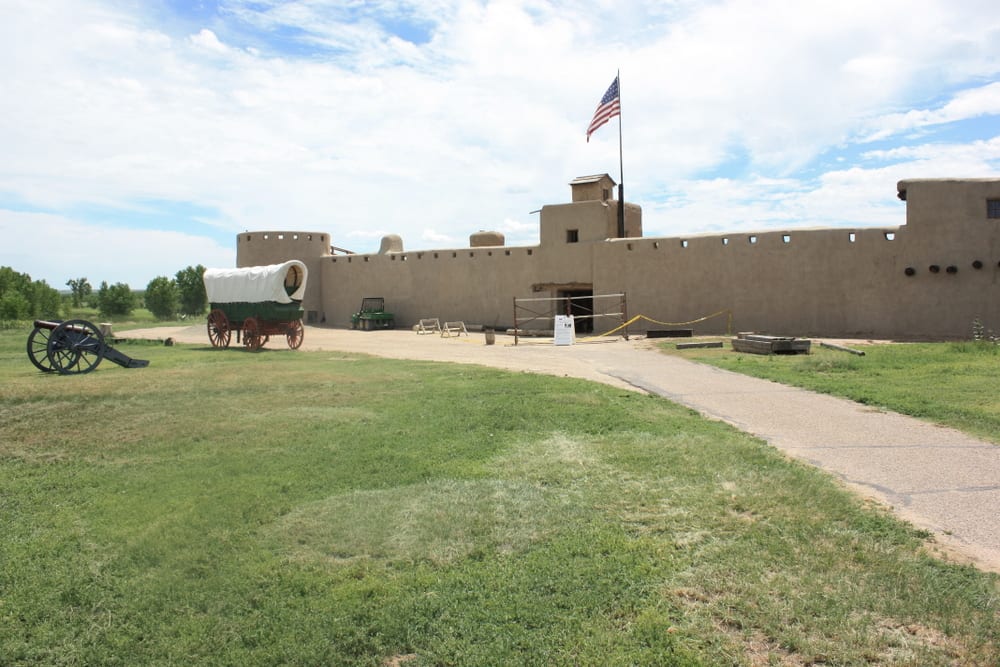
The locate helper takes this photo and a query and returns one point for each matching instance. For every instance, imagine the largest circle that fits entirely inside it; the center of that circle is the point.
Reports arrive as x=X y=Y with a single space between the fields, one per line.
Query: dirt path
x=535 y=355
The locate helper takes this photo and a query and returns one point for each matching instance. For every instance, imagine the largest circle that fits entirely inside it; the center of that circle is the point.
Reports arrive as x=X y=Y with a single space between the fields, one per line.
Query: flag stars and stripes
x=609 y=107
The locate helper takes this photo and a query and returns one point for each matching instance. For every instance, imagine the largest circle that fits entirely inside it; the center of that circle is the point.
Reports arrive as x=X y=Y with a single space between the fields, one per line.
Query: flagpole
x=621 y=167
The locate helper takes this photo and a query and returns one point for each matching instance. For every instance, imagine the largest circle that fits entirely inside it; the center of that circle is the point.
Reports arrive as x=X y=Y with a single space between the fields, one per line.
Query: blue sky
x=140 y=136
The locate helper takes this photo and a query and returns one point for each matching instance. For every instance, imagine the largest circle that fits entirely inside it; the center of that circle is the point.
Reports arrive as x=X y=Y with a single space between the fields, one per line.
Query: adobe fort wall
x=263 y=248
x=928 y=278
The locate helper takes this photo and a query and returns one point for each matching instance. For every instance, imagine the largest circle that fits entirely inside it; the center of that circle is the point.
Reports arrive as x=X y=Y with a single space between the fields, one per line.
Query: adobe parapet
x=262 y=248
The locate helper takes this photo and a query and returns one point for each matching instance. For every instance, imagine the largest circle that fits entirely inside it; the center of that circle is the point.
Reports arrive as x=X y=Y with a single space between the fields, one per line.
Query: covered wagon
x=257 y=302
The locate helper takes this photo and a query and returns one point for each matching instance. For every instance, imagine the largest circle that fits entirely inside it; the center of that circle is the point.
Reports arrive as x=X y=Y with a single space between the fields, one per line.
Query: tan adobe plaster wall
x=263 y=248
x=795 y=282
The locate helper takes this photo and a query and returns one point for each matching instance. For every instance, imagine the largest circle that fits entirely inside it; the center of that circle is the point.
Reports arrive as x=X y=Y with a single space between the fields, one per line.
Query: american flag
x=609 y=107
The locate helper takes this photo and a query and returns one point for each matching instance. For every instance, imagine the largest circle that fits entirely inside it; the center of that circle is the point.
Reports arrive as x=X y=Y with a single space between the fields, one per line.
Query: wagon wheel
x=295 y=334
x=219 y=332
x=252 y=340
x=75 y=346
x=38 y=349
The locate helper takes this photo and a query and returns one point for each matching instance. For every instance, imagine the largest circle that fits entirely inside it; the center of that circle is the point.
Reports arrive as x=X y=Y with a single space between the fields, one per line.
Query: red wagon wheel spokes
x=295 y=334
x=38 y=349
x=252 y=339
x=219 y=333
x=75 y=346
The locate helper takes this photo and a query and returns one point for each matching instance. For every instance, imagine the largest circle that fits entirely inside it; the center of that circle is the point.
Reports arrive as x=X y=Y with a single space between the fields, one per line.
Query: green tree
x=115 y=299
x=14 y=306
x=191 y=290
x=80 y=289
x=22 y=298
x=45 y=301
x=161 y=297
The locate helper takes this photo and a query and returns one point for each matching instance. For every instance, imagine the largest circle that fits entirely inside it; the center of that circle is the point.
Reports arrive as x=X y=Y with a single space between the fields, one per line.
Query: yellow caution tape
x=729 y=323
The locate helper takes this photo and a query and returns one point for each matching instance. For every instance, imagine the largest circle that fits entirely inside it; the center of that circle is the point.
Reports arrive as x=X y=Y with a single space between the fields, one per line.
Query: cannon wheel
x=219 y=332
x=252 y=339
x=295 y=334
x=38 y=349
x=75 y=346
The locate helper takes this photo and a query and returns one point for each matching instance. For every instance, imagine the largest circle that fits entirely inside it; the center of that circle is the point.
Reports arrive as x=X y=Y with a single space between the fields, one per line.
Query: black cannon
x=73 y=346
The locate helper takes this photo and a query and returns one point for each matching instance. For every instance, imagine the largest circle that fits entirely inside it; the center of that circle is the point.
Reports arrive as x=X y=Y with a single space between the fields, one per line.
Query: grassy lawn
x=222 y=507
x=954 y=384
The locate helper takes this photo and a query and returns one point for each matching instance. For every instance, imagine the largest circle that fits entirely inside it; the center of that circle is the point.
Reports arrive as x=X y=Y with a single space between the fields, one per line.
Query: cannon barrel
x=51 y=326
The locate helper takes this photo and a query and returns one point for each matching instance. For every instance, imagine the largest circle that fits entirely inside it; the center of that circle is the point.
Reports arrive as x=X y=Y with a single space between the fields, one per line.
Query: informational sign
x=565 y=331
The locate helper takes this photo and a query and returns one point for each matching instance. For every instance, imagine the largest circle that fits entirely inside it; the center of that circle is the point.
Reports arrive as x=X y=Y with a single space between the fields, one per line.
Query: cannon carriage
x=73 y=347
x=255 y=303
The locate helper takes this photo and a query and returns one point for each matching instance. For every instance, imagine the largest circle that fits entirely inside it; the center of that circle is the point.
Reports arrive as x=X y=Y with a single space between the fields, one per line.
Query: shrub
x=115 y=299
x=161 y=297
x=191 y=290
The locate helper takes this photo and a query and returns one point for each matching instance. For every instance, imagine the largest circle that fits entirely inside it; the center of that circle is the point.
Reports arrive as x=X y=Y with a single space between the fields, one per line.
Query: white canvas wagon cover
x=283 y=283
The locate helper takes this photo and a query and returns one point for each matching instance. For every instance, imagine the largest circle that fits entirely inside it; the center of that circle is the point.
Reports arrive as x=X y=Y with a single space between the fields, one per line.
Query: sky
x=139 y=137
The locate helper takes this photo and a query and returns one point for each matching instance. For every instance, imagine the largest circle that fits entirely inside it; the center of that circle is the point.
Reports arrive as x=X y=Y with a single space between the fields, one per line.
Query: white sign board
x=565 y=331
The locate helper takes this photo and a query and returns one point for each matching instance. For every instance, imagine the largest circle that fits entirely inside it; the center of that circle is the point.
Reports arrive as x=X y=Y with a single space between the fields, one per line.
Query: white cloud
x=329 y=117
x=966 y=104
x=207 y=40
x=56 y=249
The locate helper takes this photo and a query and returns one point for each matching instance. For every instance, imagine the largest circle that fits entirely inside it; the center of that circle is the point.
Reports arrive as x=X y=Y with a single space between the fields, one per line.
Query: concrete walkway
x=935 y=477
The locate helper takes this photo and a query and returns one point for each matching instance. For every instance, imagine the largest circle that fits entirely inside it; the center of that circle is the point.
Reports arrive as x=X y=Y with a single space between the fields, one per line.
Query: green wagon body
x=267 y=310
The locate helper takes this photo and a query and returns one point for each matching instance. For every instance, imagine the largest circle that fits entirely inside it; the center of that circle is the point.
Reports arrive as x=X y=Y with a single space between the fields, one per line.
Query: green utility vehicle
x=372 y=315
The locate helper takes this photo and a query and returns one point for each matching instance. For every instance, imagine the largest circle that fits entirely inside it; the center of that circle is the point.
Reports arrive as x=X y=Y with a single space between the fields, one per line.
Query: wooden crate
x=761 y=344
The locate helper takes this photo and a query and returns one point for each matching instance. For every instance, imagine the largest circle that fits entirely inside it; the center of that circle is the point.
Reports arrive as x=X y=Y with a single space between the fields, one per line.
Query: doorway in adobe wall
x=580 y=304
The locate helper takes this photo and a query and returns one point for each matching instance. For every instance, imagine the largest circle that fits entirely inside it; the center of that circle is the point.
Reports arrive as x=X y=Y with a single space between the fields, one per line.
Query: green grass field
x=228 y=508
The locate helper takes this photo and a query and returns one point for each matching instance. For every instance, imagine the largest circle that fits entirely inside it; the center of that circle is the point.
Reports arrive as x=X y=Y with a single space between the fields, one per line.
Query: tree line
x=22 y=298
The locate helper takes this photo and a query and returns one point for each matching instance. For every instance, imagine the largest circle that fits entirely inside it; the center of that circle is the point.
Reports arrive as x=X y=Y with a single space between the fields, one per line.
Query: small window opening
x=572 y=236
x=725 y=240
x=753 y=239
x=684 y=243
x=993 y=208
x=852 y=237
x=890 y=236
x=786 y=238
